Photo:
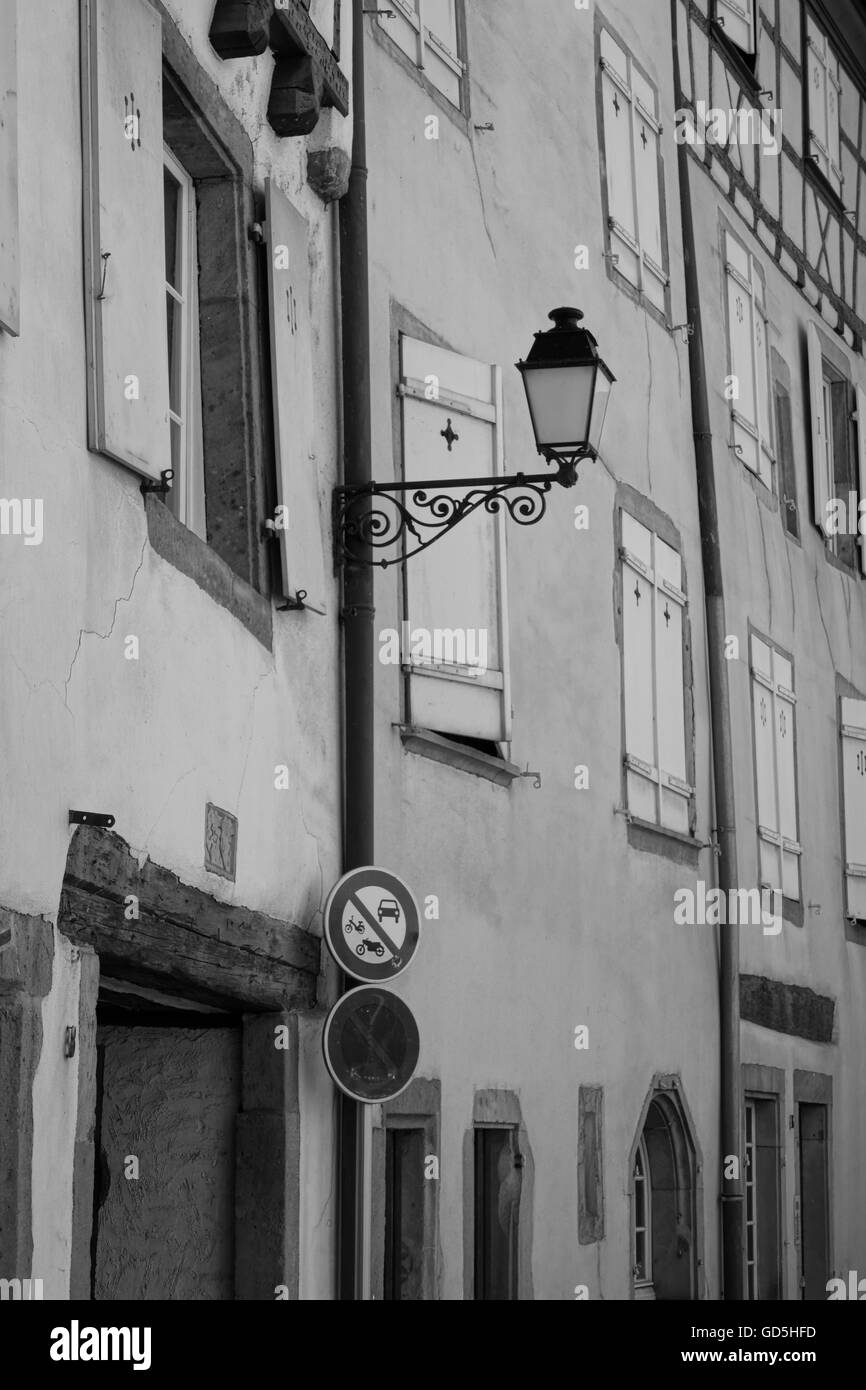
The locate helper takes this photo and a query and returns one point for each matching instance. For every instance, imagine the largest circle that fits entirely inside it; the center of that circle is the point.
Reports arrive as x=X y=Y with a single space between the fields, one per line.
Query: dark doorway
x=814 y=1200
x=167 y=1102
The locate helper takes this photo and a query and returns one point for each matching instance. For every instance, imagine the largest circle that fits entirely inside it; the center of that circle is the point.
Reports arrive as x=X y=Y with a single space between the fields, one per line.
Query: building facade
x=632 y=1004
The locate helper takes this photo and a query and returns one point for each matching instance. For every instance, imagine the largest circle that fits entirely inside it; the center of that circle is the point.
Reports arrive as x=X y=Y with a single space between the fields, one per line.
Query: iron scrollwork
x=381 y=516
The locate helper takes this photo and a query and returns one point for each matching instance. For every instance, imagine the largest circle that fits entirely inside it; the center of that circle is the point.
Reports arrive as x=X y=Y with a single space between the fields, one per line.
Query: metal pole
x=358 y=617
x=733 y=1228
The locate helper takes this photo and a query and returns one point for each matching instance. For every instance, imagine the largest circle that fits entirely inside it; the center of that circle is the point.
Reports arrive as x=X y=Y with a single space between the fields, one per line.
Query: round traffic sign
x=371 y=1044
x=372 y=925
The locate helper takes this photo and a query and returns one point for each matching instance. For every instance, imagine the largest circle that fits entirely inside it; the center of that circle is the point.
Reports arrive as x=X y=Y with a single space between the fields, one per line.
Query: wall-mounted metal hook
x=97 y=818
x=293 y=605
x=537 y=775
x=162 y=487
x=488 y=125
x=687 y=330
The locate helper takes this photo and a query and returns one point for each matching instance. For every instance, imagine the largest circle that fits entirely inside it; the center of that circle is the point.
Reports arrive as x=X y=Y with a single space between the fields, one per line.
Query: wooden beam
x=220 y=954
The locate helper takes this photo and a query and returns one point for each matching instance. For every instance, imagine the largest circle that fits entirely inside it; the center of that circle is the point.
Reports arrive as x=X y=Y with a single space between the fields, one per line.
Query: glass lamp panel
x=559 y=400
x=599 y=408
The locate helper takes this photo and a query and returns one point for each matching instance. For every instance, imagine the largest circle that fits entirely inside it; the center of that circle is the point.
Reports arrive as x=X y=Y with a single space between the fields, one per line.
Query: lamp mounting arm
x=417 y=514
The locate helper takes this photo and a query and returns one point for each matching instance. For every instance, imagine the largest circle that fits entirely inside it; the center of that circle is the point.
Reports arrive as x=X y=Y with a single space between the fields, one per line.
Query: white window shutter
x=670 y=689
x=834 y=149
x=821 y=482
x=9 y=230
x=455 y=591
x=737 y=19
x=125 y=234
x=762 y=377
x=817 y=80
x=741 y=341
x=785 y=729
x=769 y=837
x=404 y=27
x=638 y=668
x=619 y=159
x=861 y=465
x=646 y=165
x=301 y=539
x=854 y=795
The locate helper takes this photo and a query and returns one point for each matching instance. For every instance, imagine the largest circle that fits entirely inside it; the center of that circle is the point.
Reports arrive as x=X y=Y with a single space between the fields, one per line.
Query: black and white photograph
x=432 y=668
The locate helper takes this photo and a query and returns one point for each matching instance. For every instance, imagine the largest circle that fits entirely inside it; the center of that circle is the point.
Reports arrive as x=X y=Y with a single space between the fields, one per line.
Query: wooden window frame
x=187 y=496
x=641 y=1161
x=456 y=61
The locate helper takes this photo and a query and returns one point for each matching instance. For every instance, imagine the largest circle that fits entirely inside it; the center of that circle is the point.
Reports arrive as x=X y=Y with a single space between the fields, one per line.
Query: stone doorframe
x=183 y=940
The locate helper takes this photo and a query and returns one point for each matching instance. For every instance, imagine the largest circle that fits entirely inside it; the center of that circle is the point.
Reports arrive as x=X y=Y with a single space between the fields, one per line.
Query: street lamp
x=567 y=388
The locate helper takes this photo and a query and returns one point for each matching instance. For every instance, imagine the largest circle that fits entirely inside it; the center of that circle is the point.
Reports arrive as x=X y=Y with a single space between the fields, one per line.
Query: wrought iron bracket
x=162 y=487
x=97 y=818
x=379 y=516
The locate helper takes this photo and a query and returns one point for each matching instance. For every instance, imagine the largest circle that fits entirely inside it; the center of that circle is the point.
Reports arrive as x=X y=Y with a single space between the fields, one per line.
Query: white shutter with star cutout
x=127 y=361
x=458 y=587
x=670 y=600
x=763 y=718
x=616 y=101
x=638 y=670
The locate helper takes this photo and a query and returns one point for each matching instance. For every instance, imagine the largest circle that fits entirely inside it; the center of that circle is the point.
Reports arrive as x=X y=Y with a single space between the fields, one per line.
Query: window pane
x=174 y=320
x=173 y=201
x=497 y=1205
x=404 y=1214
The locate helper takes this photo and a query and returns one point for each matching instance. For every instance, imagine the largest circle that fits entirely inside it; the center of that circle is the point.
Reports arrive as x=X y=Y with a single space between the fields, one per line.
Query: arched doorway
x=664 y=1174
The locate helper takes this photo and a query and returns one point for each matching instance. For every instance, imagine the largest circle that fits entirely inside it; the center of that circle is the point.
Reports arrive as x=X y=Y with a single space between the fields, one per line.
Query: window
x=186 y=498
x=773 y=706
x=9 y=231
x=762 y=1182
x=176 y=349
x=838 y=453
x=642 y=1210
x=822 y=105
x=498 y=1182
x=633 y=167
x=426 y=31
x=853 y=734
x=748 y=361
x=737 y=22
x=654 y=606
x=785 y=457
x=456 y=657
x=404 y=1213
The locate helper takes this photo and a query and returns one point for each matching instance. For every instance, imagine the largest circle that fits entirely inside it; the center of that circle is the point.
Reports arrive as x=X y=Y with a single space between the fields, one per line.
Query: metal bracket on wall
x=293 y=605
x=162 y=487
x=537 y=775
x=91 y=818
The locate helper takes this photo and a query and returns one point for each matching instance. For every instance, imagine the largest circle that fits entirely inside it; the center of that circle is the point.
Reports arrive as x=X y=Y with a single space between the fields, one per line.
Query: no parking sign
x=372 y=925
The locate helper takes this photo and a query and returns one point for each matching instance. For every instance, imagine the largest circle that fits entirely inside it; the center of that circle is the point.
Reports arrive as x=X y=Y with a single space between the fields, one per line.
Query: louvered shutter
x=9 y=229
x=737 y=20
x=638 y=681
x=457 y=587
x=861 y=469
x=125 y=234
x=619 y=158
x=302 y=540
x=769 y=838
x=741 y=342
x=785 y=728
x=646 y=164
x=821 y=481
x=854 y=795
x=670 y=687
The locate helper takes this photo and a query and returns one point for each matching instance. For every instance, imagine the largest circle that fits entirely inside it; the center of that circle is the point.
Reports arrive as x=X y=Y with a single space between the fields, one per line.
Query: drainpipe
x=720 y=712
x=358 y=635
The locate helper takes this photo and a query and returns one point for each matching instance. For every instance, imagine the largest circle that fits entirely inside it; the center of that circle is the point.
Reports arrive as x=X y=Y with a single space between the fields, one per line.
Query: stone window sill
x=457 y=755
x=195 y=558
x=657 y=839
